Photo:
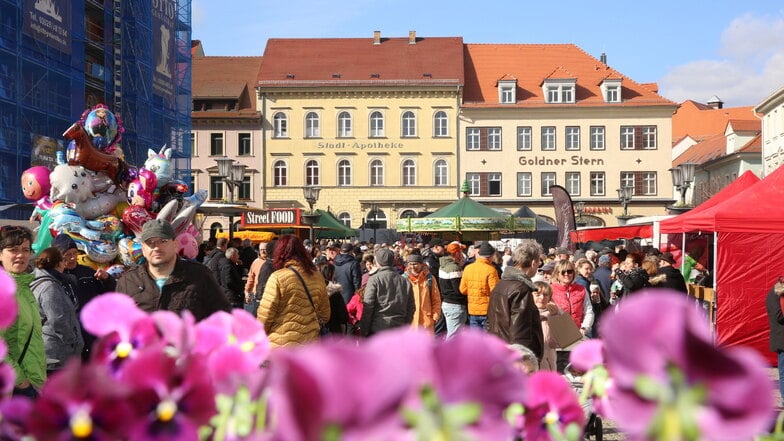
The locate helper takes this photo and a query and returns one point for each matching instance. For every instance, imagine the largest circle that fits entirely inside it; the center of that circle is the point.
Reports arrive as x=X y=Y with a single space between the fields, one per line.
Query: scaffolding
x=124 y=53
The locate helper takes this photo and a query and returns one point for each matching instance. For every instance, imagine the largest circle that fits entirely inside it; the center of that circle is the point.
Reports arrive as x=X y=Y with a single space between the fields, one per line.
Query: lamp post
x=682 y=177
x=624 y=197
x=311 y=196
x=232 y=173
x=579 y=206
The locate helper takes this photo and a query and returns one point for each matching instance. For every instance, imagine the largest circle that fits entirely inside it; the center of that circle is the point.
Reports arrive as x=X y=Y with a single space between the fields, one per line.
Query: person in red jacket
x=572 y=297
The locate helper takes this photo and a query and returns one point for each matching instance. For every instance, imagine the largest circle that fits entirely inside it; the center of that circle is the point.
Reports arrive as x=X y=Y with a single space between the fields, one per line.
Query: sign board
x=271 y=218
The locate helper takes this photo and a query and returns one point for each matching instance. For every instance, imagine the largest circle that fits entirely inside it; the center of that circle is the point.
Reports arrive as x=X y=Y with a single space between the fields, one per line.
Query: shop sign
x=274 y=217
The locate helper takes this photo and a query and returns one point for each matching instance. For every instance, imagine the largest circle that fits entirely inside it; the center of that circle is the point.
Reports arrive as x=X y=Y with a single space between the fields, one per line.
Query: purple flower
x=109 y=312
x=81 y=402
x=587 y=355
x=551 y=405
x=7 y=379
x=15 y=412
x=8 y=306
x=172 y=396
x=671 y=380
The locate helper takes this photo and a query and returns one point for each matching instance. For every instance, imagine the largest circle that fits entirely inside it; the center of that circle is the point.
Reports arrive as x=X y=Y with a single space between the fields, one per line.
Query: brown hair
x=49 y=258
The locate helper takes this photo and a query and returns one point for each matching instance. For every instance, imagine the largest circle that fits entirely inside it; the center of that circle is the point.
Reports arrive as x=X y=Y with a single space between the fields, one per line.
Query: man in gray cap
x=166 y=282
x=389 y=298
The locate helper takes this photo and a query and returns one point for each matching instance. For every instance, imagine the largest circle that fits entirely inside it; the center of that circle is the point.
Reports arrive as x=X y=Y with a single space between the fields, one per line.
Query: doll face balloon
x=102 y=127
x=35 y=182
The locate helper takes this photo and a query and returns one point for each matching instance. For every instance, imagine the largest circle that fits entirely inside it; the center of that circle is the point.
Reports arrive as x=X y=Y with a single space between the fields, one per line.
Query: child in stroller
x=593 y=427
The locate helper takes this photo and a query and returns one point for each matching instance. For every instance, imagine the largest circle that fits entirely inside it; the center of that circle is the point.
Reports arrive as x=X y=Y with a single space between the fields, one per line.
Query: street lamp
x=311 y=196
x=579 y=206
x=624 y=197
x=682 y=177
x=233 y=174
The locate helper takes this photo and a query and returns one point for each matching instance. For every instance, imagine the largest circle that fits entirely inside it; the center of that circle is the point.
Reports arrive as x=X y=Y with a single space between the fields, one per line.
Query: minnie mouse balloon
x=102 y=126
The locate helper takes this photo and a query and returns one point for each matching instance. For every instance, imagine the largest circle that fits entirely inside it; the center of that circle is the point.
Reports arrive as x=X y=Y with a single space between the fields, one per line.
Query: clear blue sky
x=693 y=49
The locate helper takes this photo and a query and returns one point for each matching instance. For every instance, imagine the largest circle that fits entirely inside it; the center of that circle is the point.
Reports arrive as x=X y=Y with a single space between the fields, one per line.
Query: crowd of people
x=301 y=291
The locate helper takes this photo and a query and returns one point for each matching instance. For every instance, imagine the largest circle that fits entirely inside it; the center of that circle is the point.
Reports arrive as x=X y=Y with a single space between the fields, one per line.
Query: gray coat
x=388 y=302
x=61 y=330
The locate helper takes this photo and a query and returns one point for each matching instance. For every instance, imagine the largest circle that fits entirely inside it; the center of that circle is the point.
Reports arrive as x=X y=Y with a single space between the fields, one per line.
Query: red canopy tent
x=748 y=258
x=611 y=233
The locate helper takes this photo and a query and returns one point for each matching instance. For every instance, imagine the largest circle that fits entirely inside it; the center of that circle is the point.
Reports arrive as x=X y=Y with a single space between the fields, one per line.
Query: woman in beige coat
x=543 y=298
x=427 y=297
x=288 y=316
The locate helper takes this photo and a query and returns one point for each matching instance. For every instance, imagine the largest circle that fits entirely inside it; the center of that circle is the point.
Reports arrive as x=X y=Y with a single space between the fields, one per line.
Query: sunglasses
x=152 y=243
x=566 y=272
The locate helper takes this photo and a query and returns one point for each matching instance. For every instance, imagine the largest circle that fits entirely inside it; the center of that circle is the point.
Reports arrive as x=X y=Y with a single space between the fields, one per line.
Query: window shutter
x=638 y=190
x=638 y=139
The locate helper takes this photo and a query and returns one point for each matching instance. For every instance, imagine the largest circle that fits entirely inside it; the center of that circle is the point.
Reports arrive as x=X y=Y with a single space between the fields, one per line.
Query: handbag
x=323 y=329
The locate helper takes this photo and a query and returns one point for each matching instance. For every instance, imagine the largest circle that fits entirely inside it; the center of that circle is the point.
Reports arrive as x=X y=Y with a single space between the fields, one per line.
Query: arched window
x=345 y=218
x=441 y=173
x=345 y=125
x=312 y=173
x=408 y=125
x=376 y=173
x=376 y=125
x=280 y=174
x=344 y=173
x=407 y=213
x=409 y=173
x=376 y=219
x=440 y=124
x=281 y=123
x=312 y=125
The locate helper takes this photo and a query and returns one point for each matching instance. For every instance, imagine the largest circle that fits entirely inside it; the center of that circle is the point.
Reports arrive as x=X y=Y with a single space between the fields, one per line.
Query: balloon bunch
x=94 y=197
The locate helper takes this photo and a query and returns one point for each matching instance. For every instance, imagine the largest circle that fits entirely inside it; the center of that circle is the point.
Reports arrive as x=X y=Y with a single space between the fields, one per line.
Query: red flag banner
x=564 y=215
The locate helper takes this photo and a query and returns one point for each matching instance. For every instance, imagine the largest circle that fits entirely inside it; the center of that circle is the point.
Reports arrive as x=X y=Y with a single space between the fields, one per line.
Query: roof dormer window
x=559 y=91
x=507 y=91
x=611 y=90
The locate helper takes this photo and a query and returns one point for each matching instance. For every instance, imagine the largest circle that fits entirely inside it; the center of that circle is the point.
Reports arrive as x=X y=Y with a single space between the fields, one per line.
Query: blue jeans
x=477 y=321
x=253 y=306
x=455 y=316
x=781 y=373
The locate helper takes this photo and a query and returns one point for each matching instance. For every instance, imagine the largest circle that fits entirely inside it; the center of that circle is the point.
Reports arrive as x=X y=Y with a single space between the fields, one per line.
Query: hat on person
x=157 y=228
x=385 y=257
x=667 y=257
x=332 y=245
x=486 y=250
x=563 y=250
x=604 y=259
x=547 y=267
x=63 y=242
x=436 y=242
x=307 y=242
x=414 y=258
x=363 y=248
x=346 y=247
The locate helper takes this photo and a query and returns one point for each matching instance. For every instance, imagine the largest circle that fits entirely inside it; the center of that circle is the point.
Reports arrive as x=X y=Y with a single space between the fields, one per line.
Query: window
x=506 y=91
x=483 y=138
x=376 y=125
x=409 y=125
x=312 y=173
x=376 y=219
x=573 y=183
x=548 y=138
x=548 y=180
x=559 y=91
x=194 y=150
x=638 y=138
x=441 y=173
x=243 y=190
x=280 y=173
x=524 y=138
x=312 y=125
x=597 y=138
x=524 y=183
x=243 y=144
x=440 y=124
x=484 y=184
x=345 y=219
x=643 y=182
x=281 y=125
x=344 y=125
x=216 y=188
x=598 y=184
x=344 y=173
x=611 y=90
x=573 y=138
x=409 y=173
x=376 y=173
x=216 y=144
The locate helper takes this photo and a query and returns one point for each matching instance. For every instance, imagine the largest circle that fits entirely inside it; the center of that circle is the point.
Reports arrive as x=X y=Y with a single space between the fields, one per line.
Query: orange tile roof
x=355 y=61
x=745 y=125
x=715 y=147
x=232 y=78
x=699 y=120
x=531 y=64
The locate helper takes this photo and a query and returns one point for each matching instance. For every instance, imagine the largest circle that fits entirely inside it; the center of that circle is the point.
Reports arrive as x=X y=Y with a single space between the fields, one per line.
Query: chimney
x=411 y=37
x=603 y=58
x=376 y=37
x=715 y=102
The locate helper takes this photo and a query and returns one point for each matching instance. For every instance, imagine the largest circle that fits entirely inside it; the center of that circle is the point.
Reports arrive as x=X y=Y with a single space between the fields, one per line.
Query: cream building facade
x=772 y=111
x=371 y=122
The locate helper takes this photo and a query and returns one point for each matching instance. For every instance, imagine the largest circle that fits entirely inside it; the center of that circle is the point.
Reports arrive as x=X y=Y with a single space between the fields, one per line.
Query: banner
x=163 y=28
x=49 y=21
x=564 y=216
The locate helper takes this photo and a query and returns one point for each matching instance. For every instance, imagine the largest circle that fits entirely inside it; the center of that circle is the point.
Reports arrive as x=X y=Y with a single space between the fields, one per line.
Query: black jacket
x=223 y=269
x=512 y=314
x=775 y=320
x=633 y=280
x=673 y=279
x=431 y=260
x=190 y=286
x=348 y=275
